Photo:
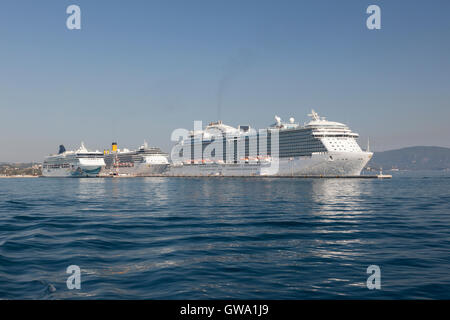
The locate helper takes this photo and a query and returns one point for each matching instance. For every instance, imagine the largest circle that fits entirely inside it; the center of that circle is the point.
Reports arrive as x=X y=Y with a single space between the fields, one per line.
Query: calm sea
x=220 y=238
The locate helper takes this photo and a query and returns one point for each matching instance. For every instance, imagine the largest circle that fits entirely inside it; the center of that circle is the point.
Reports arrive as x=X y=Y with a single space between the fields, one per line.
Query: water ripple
x=158 y=238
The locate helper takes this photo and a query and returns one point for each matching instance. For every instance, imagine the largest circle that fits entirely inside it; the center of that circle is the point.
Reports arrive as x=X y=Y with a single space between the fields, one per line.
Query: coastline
x=24 y=176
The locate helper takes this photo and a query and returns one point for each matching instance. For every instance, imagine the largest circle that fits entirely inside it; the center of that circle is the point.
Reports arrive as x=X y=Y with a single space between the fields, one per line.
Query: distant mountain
x=412 y=158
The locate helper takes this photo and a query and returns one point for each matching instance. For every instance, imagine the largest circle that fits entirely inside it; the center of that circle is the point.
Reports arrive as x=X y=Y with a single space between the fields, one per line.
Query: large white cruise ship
x=318 y=148
x=79 y=163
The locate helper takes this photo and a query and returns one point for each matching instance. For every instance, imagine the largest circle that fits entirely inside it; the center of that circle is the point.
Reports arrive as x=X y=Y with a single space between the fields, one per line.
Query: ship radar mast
x=314 y=115
x=278 y=120
x=82 y=147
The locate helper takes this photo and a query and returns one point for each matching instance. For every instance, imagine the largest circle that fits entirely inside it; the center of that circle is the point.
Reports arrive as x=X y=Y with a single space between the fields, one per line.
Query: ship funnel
x=62 y=149
x=114 y=147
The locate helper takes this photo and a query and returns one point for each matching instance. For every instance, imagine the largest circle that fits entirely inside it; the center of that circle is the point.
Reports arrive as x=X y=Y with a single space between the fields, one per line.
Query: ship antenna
x=314 y=115
x=368 y=145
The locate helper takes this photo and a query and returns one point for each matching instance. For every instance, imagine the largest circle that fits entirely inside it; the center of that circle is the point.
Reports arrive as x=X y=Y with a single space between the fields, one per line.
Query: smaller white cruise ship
x=143 y=162
x=79 y=163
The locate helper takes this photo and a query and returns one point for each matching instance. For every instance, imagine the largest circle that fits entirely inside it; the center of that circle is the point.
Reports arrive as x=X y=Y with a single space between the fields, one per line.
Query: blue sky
x=139 y=69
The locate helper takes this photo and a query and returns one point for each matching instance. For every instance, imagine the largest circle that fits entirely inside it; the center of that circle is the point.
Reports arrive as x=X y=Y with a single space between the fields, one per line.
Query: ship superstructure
x=144 y=161
x=79 y=163
x=317 y=148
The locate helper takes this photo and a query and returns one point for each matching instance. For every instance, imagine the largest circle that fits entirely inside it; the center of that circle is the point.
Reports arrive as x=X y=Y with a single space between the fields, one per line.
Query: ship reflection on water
x=282 y=227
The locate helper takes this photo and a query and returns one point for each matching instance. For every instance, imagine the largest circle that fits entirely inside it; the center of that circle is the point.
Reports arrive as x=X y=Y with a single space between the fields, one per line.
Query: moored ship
x=79 y=163
x=318 y=148
x=145 y=161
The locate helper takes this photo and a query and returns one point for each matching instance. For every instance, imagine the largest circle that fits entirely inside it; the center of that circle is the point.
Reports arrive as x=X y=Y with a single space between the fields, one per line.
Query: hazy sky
x=139 y=69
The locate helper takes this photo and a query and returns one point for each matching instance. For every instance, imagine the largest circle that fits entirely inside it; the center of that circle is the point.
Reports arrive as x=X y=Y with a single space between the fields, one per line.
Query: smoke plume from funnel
x=236 y=64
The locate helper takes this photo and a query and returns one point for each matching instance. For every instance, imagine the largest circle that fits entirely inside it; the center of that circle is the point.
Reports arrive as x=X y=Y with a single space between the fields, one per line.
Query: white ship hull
x=138 y=170
x=324 y=164
x=75 y=172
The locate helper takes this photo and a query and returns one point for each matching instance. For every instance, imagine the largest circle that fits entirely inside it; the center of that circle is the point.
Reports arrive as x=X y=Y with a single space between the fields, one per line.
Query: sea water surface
x=221 y=238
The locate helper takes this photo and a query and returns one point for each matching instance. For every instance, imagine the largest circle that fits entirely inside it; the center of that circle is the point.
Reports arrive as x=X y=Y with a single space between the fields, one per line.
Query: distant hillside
x=412 y=158
x=20 y=165
x=18 y=169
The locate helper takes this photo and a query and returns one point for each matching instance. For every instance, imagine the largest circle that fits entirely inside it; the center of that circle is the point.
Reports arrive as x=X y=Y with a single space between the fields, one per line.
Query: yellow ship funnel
x=114 y=147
